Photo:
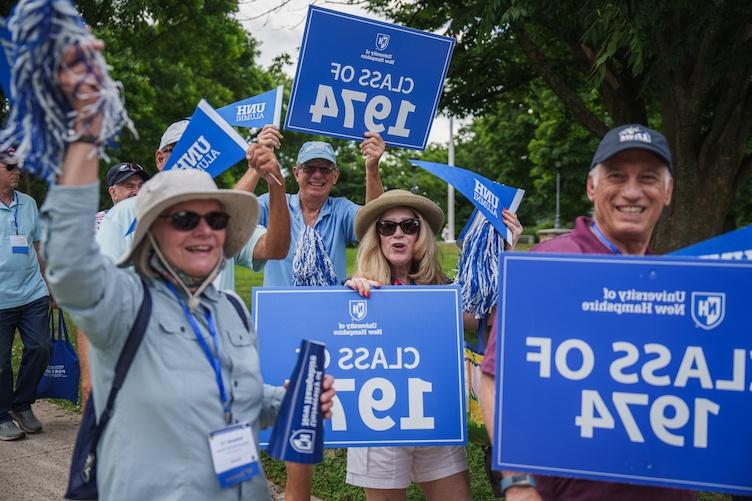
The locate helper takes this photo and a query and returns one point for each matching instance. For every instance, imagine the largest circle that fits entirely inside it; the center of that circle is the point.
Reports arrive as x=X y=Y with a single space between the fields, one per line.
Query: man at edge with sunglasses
x=24 y=303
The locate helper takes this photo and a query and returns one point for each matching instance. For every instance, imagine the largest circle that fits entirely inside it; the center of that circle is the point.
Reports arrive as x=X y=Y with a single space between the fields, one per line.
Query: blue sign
x=209 y=143
x=489 y=197
x=397 y=359
x=625 y=369
x=256 y=111
x=357 y=74
x=735 y=245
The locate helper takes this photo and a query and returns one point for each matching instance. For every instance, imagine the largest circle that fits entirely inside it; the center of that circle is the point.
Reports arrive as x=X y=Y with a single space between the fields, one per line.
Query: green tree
x=682 y=67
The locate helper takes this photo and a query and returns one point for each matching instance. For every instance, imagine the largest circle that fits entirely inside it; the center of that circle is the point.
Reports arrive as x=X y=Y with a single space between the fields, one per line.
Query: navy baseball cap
x=632 y=136
x=120 y=172
x=316 y=149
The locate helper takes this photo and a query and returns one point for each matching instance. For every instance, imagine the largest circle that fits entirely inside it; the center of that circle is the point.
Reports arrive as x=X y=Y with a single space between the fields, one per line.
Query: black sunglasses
x=323 y=169
x=10 y=167
x=386 y=228
x=185 y=220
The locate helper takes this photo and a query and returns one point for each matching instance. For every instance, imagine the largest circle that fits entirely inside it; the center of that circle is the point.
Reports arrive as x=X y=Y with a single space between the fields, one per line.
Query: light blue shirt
x=335 y=224
x=21 y=280
x=156 y=445
x=113 y=242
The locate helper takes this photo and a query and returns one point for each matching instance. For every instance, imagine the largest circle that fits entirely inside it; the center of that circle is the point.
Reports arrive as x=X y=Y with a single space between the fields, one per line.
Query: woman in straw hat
x=398 y=246
x=196 y=371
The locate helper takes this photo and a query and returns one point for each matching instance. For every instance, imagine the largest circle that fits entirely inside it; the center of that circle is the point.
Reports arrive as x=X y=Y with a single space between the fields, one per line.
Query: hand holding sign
x=372 y=148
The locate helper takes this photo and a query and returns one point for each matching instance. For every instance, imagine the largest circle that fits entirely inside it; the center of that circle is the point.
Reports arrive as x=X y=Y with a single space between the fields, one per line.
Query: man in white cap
x=272 y=242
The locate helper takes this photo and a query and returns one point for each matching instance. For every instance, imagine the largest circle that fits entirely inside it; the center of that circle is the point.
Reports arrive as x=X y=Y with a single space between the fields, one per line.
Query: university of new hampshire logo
x=302 y=441
x=382 y=41
x=358 y=309
x=708 y=309
x=635 y=133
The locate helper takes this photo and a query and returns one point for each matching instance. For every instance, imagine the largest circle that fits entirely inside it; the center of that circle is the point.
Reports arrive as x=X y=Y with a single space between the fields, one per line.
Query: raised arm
x=372 y=149
x=275 y=243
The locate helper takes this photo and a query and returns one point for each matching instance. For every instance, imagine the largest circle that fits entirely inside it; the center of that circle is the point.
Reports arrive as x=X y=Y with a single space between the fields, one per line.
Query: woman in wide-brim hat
x=196 y=371
x=397 y=234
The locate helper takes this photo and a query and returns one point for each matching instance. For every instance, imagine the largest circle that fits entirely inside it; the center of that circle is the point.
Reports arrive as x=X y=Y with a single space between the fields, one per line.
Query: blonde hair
x=372 y=264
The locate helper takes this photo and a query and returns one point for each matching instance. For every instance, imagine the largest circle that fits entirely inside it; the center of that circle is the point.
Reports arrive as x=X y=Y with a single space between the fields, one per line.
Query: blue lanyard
x=15 y=212
x=213 y=358
x=605 y=241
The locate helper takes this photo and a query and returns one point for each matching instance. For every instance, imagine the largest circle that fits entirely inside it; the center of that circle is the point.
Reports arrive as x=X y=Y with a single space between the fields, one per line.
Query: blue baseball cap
x=316 y=149
x=632 y=136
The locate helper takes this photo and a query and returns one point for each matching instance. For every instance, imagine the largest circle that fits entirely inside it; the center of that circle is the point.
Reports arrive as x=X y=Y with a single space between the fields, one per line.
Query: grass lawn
x=329 y=476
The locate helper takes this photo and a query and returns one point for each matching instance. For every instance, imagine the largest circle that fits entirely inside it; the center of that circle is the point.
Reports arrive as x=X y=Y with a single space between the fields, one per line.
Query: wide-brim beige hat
x=371 y=211
x=181 y=185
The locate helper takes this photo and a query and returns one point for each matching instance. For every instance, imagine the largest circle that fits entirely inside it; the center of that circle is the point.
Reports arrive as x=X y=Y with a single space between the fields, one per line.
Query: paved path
x=36 y=468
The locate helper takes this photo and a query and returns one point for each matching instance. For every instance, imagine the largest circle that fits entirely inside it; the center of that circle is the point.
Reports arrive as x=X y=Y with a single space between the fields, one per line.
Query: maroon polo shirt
x=582 y=241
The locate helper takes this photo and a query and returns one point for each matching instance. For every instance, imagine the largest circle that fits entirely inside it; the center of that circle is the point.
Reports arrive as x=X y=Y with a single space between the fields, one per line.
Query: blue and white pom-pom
x=41 y=118
x=311 y=264
x=478 y=268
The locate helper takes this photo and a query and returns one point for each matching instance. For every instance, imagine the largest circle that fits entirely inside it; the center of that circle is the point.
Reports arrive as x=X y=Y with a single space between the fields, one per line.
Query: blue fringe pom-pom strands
x=478 y=268
x=41 y=118
x=311 y=264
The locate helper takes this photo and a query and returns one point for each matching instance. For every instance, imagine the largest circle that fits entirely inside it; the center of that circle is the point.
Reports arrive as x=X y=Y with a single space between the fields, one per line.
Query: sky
x=278 y=27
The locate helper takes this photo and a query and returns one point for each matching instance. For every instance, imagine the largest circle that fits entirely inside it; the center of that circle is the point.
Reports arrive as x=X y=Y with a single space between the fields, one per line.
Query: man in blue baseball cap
x=321 y=227
x=629 y=183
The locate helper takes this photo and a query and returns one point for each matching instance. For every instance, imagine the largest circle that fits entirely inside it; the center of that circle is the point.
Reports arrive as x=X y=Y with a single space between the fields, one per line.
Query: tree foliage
x=682 y=67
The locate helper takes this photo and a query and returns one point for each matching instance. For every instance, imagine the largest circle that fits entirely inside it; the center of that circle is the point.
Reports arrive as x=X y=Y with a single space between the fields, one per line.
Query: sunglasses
x=386 y=228
x=325 y=170
x=10 y=167
x=128 y=167
x=186 y=220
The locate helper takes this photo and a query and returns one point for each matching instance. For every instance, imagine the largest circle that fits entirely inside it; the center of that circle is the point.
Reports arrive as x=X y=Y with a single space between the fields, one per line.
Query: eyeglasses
x=386 y=228
x=187 y=220
x=168 y=149
x=325 y=170
x=10 y=167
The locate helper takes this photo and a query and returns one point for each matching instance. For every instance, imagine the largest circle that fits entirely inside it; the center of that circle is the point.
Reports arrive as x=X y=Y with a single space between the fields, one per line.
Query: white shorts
x=398 y=467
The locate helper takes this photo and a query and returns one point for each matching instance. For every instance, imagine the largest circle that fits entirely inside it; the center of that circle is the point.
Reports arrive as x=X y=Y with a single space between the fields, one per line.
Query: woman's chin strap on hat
x=193 y=300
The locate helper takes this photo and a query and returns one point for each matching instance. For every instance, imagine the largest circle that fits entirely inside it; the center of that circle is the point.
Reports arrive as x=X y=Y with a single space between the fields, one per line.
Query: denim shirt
x=156 y=445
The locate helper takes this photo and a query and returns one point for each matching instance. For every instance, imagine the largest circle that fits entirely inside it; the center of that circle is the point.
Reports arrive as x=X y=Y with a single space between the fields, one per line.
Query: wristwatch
x=517 y=481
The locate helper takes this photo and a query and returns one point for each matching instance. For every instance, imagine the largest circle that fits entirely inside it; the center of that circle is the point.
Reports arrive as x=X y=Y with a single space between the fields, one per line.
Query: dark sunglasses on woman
x=387 y=228
x=187 y=220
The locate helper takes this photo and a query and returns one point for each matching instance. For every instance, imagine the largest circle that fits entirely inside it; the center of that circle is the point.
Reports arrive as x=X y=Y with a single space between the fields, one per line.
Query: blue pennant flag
x=732 y=245
x=209 y=143
x=488 y=196
x=255 y=111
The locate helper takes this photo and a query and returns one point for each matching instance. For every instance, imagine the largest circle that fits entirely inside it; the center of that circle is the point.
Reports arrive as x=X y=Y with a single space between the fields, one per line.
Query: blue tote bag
x=61 y=378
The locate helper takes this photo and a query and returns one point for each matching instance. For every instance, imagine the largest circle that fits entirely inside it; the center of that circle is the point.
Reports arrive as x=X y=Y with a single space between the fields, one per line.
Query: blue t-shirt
x=335 y=224
x=21 y=280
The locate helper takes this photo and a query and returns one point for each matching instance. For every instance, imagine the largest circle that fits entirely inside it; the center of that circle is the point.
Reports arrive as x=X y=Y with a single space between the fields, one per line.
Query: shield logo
x=303 y=441
x=708 y=309
x=358 y=309
x=382 y=41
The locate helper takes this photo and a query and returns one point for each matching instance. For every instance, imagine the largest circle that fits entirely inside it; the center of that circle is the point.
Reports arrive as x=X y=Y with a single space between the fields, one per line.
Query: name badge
x=19 y=244
x=234 y=454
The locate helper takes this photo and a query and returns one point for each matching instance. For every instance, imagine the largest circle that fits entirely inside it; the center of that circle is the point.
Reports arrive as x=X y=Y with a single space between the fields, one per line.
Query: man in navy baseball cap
x=124 y=180
x=632 y=136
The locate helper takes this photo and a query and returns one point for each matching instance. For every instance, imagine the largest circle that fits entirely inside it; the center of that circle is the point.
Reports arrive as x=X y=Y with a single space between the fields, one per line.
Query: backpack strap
x=239 y=307
x=124 y=361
